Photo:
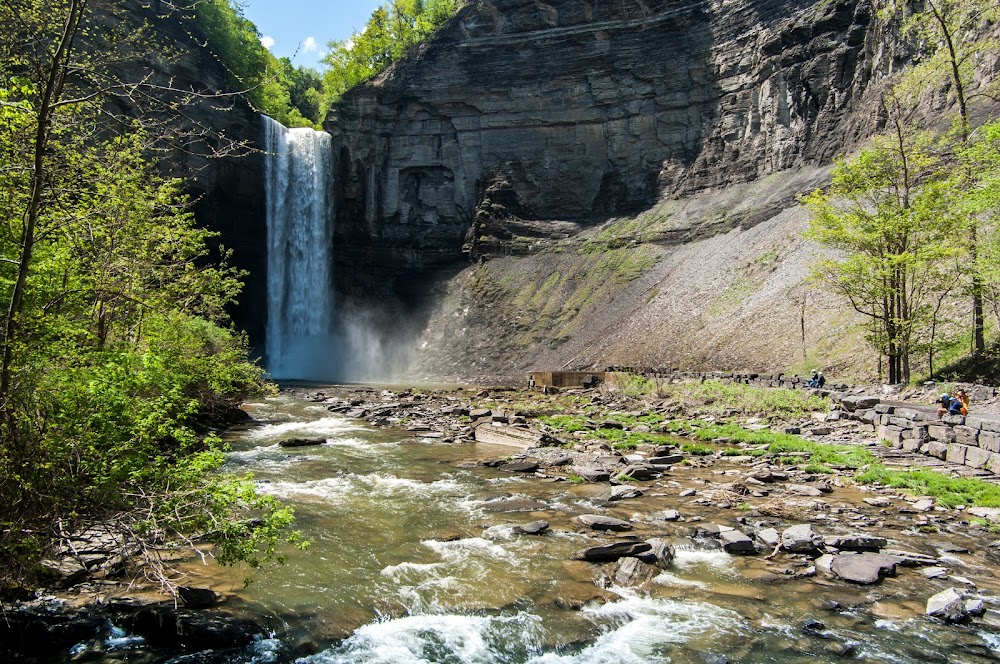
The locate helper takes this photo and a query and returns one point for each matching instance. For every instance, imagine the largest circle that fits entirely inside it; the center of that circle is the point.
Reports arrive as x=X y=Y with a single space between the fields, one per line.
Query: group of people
x=953 y=405
x=817 y=379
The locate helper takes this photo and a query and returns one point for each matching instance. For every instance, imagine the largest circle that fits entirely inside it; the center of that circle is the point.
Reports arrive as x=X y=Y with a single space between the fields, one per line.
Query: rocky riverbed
x=612 y=518
x=799 y=524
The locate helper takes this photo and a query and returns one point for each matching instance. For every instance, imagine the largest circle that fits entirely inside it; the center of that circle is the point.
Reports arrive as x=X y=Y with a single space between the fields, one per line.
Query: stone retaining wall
x=972 y=441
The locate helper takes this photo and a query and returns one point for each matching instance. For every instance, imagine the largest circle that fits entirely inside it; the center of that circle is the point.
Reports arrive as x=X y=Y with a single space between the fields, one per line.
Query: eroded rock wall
x=585 y=110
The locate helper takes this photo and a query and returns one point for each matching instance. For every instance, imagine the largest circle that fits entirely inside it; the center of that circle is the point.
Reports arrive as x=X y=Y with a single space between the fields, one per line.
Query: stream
x=408 y=563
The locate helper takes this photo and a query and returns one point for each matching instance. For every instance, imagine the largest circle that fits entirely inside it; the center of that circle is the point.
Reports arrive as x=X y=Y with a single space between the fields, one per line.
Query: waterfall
x=299 y=177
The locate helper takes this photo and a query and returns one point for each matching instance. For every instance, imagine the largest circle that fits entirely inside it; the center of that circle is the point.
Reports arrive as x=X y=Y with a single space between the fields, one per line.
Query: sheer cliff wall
x=588 y=110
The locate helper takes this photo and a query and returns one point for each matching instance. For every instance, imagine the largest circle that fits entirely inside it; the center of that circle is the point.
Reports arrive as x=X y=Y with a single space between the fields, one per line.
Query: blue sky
x=301 y=29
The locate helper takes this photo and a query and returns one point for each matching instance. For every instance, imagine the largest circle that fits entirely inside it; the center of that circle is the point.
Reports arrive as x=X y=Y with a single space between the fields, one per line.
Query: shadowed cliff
x=563 y=133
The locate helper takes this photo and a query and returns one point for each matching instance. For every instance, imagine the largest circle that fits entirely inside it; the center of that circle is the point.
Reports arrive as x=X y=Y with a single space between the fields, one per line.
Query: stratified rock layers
x=587 y=110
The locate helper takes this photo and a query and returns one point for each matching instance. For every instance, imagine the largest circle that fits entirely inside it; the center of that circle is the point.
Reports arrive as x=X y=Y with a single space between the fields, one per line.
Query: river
x=408 y=563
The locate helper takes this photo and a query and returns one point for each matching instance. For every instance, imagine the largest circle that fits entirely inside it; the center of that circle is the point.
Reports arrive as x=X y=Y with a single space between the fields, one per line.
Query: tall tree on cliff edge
x=958 y=46
x=112 y=355
x=391 y=32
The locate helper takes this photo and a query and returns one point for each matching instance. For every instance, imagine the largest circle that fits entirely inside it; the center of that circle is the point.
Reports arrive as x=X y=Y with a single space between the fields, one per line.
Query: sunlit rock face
x=588 y=109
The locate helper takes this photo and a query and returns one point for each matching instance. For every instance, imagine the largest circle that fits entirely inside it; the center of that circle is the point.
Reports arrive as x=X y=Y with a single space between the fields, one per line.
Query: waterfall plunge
x=299 y=176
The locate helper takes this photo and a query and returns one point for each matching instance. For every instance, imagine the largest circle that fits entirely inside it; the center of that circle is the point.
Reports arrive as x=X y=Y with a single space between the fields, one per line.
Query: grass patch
x=784 y=443
x=626 y=440
x=694 y=449
x=577 y=479
x=818 y=469
x=651 y=419
x=769 y=402
x=567 y=423
x=949 y=491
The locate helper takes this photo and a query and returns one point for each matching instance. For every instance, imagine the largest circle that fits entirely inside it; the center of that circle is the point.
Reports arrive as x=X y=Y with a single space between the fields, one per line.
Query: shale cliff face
x=522 y=111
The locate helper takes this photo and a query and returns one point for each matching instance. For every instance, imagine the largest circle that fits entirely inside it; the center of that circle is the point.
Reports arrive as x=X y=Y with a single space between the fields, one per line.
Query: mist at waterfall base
x=310 y=336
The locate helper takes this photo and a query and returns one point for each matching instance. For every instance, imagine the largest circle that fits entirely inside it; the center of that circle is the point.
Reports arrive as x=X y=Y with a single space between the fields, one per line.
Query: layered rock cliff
x=586 y=110
x=527 y=128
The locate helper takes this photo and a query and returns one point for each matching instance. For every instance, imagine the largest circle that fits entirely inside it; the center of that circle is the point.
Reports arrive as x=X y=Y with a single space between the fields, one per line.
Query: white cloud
x=267 y=42
x=309 y=45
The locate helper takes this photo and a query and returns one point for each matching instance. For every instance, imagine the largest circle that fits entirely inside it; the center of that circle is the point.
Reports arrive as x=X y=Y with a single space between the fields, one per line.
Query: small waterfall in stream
x=299 y=176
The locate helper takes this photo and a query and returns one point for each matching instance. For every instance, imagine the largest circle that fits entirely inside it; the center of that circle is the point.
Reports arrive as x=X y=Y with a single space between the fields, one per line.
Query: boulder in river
x=863 y=568
x=733 y=541
x=800 y=539
x=592 y=473
x=302 y=442
x=661 y=552
x=608 y=553
x=633 y=572
x=533 y=528
x=599 y=522
x=948 y=605
x=623 y=492
x=197 y=598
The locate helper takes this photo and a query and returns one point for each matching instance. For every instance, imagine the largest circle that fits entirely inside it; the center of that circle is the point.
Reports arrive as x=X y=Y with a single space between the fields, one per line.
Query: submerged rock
x=302 y=442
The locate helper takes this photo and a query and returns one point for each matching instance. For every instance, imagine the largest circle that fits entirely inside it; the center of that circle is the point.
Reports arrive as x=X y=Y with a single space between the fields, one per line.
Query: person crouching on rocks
x=949 y=405
x=963 y=397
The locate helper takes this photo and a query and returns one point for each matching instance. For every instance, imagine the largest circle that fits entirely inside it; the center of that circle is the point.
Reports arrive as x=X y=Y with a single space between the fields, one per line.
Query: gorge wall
x=556 y=134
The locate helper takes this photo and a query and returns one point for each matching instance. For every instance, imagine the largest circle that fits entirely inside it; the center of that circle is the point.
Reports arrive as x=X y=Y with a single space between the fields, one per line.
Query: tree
x=887 y=213
x=115 y=354
x=391 y=32
x=955 y=39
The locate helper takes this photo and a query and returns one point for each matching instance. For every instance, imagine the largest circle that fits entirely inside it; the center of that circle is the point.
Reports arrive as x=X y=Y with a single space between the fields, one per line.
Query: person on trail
x=949 y=405
x=817 y=380
x=963 y=397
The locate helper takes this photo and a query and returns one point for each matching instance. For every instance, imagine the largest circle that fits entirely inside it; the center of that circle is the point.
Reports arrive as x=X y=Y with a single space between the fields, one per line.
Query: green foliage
x=694 y=449
x=390 y=34
x=889 y=213
x=115 y=358
x=949 y=491
x=291 y=95
x=783 y=443
x=577 y=479
x=772 y=403
x=818 y=469
x=567 y=423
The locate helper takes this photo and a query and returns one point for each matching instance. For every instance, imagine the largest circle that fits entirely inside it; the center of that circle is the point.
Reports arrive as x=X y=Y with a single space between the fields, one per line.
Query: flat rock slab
x=598 y=522
x=515 y=505
x=622 y=493
x=302 y=442
x=863 y=568
x=526 y=466
x=508 y=436
x=607 y=553
x=858 y=542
